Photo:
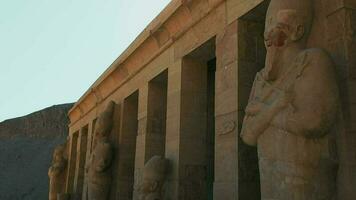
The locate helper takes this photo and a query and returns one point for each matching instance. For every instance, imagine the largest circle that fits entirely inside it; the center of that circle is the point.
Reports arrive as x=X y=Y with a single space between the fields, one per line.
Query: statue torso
x=289 y=160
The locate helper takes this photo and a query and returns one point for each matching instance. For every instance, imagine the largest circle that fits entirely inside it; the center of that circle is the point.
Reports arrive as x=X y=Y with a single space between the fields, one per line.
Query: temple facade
x=180 y=91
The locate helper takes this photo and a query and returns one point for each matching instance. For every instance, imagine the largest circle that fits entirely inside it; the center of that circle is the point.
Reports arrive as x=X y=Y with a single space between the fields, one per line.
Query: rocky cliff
x=26 y=145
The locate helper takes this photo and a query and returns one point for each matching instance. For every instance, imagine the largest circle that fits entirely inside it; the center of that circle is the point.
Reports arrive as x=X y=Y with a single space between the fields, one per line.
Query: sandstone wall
x=231 y=32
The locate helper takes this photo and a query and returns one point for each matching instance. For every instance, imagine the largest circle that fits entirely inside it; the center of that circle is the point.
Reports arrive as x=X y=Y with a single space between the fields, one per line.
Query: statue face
x=58 y=155
x=275 y=36
x=102 y=159
x=282 y=29
x=277 y=30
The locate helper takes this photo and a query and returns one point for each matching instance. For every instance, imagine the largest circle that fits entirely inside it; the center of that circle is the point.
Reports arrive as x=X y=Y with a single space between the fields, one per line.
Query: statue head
x=154 y=174
x=288 y=23
x=104 y=122
x=103 y=155
x=59 y=154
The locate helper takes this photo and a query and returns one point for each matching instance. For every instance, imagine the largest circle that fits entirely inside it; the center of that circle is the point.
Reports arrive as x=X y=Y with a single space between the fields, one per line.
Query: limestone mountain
x=26 y=146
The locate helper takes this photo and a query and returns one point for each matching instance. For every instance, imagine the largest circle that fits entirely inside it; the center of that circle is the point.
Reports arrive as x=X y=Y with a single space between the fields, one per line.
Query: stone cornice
x=159 y=35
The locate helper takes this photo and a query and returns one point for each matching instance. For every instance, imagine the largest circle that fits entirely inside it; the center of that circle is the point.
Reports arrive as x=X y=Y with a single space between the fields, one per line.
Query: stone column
x=80 y=157
x=141 y=149
x=173 y=127
x=87 y=157
x=226 y=115
x=186 y=130
x=72 y=156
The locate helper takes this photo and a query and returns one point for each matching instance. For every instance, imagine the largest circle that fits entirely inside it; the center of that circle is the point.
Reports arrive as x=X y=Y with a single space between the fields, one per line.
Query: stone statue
x=154 y=174
x=56 y=172
x=103 y=124
x=99 y=167
x=99 y=174
x=293 y=109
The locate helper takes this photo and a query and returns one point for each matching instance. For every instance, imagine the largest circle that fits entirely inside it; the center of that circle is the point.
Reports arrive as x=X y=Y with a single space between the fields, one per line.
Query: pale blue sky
x=51 y=51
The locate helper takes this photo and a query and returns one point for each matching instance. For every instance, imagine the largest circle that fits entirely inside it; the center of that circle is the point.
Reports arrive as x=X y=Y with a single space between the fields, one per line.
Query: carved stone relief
x=293 y=107
x=226 y=128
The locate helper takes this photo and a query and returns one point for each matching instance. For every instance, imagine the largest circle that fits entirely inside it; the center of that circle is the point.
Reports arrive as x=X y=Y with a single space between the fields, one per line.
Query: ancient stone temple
x=223 y=100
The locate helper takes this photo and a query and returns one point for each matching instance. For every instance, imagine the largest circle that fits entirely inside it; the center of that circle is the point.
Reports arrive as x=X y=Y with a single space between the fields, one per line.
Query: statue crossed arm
x=308 y=110
x=315 y=105
x=259 y=116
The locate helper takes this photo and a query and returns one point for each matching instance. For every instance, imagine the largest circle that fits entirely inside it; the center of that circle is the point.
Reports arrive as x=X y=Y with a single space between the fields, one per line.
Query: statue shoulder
x=317 y=53
x=315 y=61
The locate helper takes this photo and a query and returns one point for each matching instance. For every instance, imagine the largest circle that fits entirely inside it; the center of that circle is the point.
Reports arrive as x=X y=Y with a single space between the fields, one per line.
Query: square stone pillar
x=186 y=130
x=72 y=158
x=80 y=160
x=141 y=149
x=226 y=115
x=87 y=157
x=173 y=127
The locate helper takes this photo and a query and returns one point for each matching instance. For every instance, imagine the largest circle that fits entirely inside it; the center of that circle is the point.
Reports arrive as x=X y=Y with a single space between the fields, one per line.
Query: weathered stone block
x=226 y=46
x=226 y=147
x=211 y=24
x=226 y=102
x=226 y=78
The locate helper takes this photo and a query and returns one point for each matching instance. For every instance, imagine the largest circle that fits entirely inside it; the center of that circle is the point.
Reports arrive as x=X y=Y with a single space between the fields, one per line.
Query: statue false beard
x=273 y=63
